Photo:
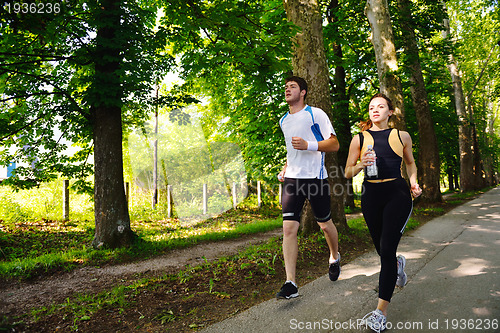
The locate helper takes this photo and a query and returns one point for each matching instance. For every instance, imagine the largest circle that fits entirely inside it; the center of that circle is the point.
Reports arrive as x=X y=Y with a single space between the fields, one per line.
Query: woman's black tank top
x=388 y=148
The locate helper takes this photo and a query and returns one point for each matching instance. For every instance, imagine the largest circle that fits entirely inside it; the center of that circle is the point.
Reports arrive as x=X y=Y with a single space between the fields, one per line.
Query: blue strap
x=315 y=127
x=309 y=109
x=319 y=137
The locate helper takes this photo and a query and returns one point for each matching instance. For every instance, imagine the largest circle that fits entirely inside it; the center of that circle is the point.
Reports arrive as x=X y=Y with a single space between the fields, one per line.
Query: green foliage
x=234 y=54
x=50 y=84
x=475 y=26
x=43 y=203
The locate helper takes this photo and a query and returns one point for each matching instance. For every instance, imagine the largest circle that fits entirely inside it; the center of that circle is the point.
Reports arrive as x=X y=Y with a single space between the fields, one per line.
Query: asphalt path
x=453 y=266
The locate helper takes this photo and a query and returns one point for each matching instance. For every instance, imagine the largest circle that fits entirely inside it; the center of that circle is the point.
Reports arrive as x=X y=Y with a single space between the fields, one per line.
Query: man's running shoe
x=376 y=321
x=287 y=291
x=334 y=270
x=402 y=278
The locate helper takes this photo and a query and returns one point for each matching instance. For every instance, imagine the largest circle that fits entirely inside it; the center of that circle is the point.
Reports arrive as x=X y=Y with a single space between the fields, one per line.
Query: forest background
x=91 y=76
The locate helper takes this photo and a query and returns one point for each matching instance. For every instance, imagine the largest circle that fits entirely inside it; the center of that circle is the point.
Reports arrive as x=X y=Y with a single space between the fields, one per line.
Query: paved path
x=453 y=267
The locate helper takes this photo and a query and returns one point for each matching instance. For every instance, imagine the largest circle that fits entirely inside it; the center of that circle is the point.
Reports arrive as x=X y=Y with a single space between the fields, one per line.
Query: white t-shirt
x=305 y=163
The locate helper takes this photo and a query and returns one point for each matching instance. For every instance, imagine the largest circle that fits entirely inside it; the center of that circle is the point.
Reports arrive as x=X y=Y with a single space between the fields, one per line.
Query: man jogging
x=308 y=134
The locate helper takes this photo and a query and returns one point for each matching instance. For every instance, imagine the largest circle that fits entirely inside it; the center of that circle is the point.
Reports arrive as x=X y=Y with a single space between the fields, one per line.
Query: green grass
x=29 y=252
x=34 y=240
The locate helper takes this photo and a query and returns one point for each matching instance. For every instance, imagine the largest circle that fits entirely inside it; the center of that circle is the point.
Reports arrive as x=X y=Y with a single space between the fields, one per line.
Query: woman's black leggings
x=386 y=208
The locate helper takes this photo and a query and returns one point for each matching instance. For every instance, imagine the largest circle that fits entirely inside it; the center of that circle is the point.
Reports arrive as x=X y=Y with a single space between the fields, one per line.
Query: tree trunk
x=377 y=12
x=429 y=166
x=451 y=183
x=479 y=175
x=464 y=129
x=111 y=212
x=341 y=106
x=309 y=62
x=489 y=168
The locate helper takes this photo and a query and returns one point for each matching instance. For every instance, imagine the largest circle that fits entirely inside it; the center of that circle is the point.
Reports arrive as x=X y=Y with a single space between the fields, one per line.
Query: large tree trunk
x=464 y=128
x=377 y=12
x=111 y=212
x=428 y=155
x=341 y=106
x=479 y=174
x=309 y=62
x=489 y=168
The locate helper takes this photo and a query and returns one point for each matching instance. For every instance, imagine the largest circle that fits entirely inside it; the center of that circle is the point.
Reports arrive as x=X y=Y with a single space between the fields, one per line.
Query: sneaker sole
x=287 y=297
x=337 y=277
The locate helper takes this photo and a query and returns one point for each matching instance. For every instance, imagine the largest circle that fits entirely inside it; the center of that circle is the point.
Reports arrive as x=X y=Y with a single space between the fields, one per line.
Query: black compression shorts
x=296 y=191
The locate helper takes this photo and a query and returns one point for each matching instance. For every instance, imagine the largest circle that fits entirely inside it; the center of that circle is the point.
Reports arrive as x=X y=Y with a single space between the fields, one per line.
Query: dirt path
x=16 y=298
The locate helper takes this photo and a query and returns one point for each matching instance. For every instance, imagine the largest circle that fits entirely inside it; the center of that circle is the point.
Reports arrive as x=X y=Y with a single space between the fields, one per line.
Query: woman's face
x=379 y=110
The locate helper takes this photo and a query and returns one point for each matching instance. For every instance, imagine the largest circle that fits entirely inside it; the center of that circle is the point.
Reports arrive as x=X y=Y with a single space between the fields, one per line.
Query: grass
x=36 y=248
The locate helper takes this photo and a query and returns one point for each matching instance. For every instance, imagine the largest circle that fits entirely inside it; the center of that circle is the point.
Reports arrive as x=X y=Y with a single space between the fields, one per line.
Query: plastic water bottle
x=372 y=170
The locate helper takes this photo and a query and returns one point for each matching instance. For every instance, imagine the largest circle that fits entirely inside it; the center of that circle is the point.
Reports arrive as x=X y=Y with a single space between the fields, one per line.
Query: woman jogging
x=386 y=201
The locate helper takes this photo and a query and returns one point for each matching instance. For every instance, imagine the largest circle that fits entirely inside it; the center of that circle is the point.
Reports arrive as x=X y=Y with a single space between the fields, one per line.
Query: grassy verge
x=31 y=249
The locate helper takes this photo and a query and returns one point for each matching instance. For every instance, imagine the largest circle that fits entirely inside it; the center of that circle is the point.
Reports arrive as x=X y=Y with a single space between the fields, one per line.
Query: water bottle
x=372 y=170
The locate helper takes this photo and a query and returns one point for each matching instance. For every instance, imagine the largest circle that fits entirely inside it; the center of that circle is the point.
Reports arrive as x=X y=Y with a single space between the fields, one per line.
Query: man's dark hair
x=300 y=81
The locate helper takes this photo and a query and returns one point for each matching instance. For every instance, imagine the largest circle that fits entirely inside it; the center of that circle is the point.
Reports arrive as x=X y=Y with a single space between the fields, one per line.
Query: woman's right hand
x=367 y=159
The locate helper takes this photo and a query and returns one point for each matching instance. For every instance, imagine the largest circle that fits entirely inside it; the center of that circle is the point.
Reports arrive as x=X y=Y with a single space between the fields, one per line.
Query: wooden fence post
x=259 y=200
x=169 y=200
x=127 y=191
x=205 y=199
x=65 y=199
x=235 y=197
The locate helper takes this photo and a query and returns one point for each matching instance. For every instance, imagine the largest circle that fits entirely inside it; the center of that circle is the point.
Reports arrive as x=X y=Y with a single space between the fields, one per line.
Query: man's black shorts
x=296 y=191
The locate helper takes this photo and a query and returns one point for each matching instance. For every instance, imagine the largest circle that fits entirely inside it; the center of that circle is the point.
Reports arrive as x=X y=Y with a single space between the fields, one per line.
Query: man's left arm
x=329 y=145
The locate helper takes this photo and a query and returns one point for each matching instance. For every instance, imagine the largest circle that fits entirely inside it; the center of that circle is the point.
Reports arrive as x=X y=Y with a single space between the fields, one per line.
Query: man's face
x=293 y=92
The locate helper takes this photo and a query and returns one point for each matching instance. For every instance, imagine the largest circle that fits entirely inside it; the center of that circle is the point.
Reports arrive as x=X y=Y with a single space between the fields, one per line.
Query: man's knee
x=326 y=226
x=290 y=228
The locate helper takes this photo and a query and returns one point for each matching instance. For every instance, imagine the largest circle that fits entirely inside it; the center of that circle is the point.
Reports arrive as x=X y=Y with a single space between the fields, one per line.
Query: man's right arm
x=281 y=175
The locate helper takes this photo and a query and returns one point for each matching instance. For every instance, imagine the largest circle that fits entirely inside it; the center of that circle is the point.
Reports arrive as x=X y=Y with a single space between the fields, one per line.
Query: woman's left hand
x=416 y=190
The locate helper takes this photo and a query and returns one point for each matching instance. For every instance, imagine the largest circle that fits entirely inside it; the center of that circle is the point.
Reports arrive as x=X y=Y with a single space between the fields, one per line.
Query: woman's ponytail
x=365 y=124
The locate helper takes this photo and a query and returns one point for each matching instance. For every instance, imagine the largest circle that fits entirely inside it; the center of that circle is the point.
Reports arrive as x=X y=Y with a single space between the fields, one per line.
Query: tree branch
x=33 y=94
x=481 y=74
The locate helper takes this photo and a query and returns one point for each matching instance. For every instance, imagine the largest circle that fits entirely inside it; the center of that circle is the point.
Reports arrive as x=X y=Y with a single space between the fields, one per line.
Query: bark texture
x=341 y=106
x=377 y=12
x=309 y=62
x=464 y=126
x=111 y=210
x=429 y=166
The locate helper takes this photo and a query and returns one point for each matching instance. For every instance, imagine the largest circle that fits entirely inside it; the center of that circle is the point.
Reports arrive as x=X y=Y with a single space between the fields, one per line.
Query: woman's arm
x=352 y=167
x=411 y=167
